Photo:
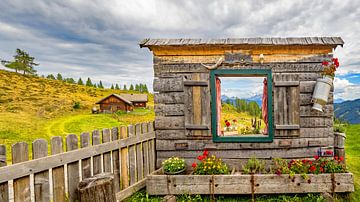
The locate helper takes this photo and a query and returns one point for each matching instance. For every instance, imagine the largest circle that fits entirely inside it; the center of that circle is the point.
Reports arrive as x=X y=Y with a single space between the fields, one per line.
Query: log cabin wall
x=113 y=103
x=183 y=109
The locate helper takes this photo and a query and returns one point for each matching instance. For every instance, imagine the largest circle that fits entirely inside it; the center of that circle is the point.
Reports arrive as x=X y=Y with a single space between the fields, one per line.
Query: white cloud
x=345 y=90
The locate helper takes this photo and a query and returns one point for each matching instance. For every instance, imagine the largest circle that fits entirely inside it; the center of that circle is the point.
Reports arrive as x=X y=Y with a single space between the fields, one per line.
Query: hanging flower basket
x=324 y=84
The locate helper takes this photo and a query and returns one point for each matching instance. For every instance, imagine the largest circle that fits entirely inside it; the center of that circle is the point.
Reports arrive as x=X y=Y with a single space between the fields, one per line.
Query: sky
x=99 y=39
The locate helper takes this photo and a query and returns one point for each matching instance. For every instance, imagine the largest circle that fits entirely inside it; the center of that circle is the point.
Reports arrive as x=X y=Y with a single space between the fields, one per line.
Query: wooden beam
x=287 y=127
x=196 y=127
x=286 y=83
x=196 y=83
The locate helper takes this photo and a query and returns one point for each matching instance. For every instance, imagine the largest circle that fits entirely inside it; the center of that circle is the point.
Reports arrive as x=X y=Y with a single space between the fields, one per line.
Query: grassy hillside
x=33 y=107
x=348 y=111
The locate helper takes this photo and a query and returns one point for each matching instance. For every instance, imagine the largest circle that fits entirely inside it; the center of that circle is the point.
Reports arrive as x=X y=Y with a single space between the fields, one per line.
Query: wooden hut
x=115 y=102
x=138 y=100
x=186 y=100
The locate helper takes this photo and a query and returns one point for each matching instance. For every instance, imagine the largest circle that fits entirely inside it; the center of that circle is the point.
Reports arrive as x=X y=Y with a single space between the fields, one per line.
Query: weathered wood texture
x=41 y=180
x=4 y=192
x=99 y=188
x=20 y=153
x=22 y=168
x=247 y=184
x=107 y=156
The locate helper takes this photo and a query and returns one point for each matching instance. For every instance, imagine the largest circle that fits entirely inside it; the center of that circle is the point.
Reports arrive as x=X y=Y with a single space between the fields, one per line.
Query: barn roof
x=118 y=96
x=332 y=41
x=135 y=97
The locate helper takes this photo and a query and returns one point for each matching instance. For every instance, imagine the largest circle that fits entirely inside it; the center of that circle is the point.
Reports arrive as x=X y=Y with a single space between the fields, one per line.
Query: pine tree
x=89 y=83
x=131 y=87
x=137 y=87
x=22 y=62
x=50 y=76
x=100 y=85
x=125 y=88
x=80 y=82
x=117 y=87
x=145 y=89
x=112 y=86
x=69 y=80
x=59 y=77
x=141 y=87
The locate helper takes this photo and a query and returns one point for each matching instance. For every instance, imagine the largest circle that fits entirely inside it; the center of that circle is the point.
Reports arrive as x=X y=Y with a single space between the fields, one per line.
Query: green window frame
x=239 y=73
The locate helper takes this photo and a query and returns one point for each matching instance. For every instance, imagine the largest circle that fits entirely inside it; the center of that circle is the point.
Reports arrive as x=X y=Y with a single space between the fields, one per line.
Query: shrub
x=76 y=105
x=254 y=165
x=209 y=165
x=173 y=164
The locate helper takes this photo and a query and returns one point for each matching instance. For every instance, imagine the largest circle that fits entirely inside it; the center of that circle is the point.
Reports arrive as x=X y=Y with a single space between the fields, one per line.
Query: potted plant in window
x=323 y=85
x=174 y=166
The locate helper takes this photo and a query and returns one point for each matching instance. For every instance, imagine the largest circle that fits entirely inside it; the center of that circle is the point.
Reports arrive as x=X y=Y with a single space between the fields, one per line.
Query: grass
x=352 y=161
x=33 y=107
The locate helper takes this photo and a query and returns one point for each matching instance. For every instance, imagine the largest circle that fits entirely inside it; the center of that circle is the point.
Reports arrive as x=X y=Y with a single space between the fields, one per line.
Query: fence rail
x=127 y=152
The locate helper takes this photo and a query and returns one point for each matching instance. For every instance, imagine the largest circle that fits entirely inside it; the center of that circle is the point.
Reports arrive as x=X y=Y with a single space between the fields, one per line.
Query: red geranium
x=321 y=169
x=201 y=158
x=227 y=124
x=206 y=152
x=312 y=168
x=341 y=158
x=316 y=157
x=194 y=165
x=325 y=63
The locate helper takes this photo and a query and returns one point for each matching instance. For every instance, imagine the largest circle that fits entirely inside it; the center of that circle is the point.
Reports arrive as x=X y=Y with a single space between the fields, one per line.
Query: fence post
x=72 y=168
x=97 y=158
x=139 y=155
x=124 y=160
x=58 y=175
x=115 y=160
x=145 y=148
x=4 y=188
x=41 y=179
x=85 y=163
x=20 y=153
x=132 y=156
x=107 y=156
x=152 y=152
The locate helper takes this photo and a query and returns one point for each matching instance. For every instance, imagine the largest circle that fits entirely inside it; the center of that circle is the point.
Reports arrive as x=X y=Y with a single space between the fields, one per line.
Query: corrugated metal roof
x=135 y=97
x=244 y=41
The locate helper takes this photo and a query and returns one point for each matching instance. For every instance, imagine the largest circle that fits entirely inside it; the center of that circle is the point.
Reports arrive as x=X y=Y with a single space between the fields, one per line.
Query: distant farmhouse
x=122 y=102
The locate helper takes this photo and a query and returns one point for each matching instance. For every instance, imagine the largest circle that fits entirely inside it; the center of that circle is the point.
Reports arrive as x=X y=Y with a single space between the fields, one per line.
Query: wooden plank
x=196 y=105
x=196 y=127
x=58 y=175
x=145 y=150
x=132 y=157
x=286 y=83
x=4 y=187
x=124 y=180
x=287 y=127
x=196 y=83
x=317 y=132
x=96 y=158
x=307 y=111
x=169 y=98
x=85 y=163
x=305 y=99
x=41 y=180
x=21 y=186
x=308 y=87
x=200 y=145
x=139 y=155
x=107 y=156
x=168 y=84
x=169 y=109
x=176 y=122
x=120 y=196
x=316 y=122
x=115 y=159
x=171 y=134
x=152 y=151
x=29 y=167
x=72 y=168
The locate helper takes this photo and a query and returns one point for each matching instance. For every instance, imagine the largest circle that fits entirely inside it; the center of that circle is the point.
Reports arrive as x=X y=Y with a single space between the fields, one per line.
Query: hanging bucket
x=321 y=92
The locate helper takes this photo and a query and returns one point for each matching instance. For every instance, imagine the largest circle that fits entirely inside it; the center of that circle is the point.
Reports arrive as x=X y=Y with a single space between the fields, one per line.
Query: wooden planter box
x=160 y=184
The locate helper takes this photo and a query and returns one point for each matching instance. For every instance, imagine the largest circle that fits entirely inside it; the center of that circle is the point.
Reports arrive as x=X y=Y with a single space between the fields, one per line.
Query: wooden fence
x=127 y=152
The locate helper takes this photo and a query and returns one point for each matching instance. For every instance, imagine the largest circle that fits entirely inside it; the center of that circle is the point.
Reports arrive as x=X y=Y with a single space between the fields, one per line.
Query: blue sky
x=99 y=39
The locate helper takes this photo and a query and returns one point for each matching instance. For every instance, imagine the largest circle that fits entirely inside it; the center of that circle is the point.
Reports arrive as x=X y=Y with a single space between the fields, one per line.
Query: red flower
x=206 y=152
x=194 y=165
x=341 y=158
x=336 y=62
x=321 y=169
x=325 y=63
x=328 y=152
x=201 y=158
x=234 y=120
x=304 y=161
x=277 y=172
x=227 y=124
x=310 y=162
x=312 y=168
x=336 y=157
x=316 y=157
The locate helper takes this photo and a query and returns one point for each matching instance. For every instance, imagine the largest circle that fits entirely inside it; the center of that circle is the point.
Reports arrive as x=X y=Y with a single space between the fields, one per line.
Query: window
x=241 y=105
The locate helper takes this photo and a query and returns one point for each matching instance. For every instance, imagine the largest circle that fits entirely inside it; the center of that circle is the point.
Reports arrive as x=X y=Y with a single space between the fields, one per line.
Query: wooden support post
x=97 y=158
x=115 y=159
x=85 y=163
x=58 y=175
x=132 y=156
x=139 y=154
x=4 y=192
x=72 y=168
x=124 y=160
x=20 y=153
x=42 y=187
x=99 y=188
x=107 y=156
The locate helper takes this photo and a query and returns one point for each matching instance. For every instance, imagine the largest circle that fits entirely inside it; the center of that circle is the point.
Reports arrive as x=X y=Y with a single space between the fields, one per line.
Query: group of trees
x=22 y=62
x=138 y=87
x=251 y=107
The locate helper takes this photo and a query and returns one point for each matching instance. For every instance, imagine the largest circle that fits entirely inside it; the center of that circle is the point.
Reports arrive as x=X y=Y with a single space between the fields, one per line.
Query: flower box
x=158 y=183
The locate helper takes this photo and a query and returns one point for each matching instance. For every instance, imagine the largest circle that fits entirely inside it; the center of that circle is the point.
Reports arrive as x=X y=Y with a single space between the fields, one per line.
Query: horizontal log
x=287 y=127
x=305 y=98
x=286 y=83
x=37 y=165
x=196 y=127
x=316 y=132
x=175 y=122
x=245 y=154
x=316 y=122
x=168 y=84
x=241 y=184
x=307 y=111
x=196 y=83
x=169 y=109
x=199 y=145
x=169 y=98
x=308 y=87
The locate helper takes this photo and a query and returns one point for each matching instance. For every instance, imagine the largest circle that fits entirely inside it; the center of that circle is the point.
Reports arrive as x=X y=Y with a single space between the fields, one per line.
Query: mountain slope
x=348 y=111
